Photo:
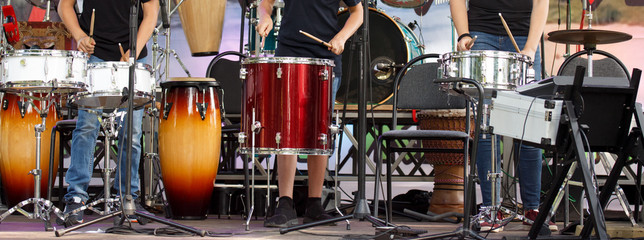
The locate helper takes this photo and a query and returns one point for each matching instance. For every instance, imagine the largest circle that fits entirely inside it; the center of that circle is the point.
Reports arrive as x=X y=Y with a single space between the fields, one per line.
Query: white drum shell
x=106 y=83
x=38 y=70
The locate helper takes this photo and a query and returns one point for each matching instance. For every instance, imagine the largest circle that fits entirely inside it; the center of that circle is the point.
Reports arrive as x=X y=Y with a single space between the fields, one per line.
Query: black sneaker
x=285 y=215
x=315 y=213
x=74 y=217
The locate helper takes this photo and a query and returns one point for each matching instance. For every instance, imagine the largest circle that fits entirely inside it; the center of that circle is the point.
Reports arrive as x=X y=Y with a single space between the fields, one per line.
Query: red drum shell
x=291 y=100
x=18 y=147
x=189 y=146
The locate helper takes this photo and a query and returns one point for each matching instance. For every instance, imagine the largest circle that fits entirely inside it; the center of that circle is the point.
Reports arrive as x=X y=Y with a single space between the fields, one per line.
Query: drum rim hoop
x=491 y=53
x=290 y=60
x=44 y=53
x=107 y=64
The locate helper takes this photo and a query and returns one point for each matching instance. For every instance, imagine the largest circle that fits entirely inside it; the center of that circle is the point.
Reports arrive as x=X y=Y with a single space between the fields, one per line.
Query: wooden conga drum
x=202 y=22
x=18 y=147
x=189 y=144
x=448 y=167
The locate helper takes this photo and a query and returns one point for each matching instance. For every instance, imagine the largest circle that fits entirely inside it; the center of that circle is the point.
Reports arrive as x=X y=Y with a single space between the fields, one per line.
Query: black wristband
x=462 y=36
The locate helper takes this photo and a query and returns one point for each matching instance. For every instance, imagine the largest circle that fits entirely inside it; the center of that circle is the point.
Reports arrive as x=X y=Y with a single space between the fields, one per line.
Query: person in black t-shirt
x=319 y=18
x=111 y=27
x=526 y=20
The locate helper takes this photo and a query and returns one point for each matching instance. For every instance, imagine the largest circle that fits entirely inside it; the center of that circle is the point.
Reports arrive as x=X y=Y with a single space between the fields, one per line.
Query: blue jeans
x=335 y=86
x=529 y=164
x=84 y=144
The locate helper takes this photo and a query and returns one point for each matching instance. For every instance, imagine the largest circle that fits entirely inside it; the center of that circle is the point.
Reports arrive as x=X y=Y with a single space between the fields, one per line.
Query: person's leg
x=80 y=169
x=317 y=165
x=285 y=215
x=529 y=172
x=121 y=182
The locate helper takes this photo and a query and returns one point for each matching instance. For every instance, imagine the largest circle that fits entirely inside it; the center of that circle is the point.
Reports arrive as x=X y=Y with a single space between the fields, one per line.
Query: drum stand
x=255 y=128
x=110 y=204
x=42 y=207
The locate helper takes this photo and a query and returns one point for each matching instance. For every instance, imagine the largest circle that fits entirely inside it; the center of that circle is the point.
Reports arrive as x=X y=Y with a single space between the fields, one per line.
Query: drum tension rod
x=202 y=109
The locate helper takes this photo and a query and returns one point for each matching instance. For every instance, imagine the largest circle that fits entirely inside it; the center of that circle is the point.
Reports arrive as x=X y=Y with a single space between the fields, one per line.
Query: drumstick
x=122 y=52
x=91 y=25
x=316 y=39
x=471 y=43
x=507 y=29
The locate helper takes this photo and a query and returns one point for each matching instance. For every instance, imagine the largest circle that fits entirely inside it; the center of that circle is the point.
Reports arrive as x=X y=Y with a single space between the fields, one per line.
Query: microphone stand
x=127 y=206
x=361 y=210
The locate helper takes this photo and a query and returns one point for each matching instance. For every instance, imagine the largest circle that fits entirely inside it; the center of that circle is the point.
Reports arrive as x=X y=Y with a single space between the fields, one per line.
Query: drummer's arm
x=458 y=10
x=354 y=21
x=68 y=15
x=537 y=24
x=150 y=16
x=264 y=11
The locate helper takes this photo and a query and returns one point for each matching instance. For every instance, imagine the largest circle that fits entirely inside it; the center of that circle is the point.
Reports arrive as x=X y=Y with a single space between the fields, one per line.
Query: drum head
x=387 y=45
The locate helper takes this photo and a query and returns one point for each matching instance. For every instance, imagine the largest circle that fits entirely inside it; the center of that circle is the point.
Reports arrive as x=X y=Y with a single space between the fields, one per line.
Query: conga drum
x=189 y=144
x=18 y=119
x=202 y=22
x=448 y=167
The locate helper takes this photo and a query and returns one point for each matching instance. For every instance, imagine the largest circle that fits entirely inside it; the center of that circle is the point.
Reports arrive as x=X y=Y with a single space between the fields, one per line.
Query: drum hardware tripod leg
x=42 y=207
x=335 y=130
x=619 y=192
x=255 y=130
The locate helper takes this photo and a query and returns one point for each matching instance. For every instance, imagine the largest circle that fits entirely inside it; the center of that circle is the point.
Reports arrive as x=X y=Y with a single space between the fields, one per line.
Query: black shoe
x=309 y=218
x=73 y=218
x=285 y=215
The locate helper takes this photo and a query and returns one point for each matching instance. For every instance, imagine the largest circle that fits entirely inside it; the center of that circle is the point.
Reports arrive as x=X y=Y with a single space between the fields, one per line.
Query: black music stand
x=127 y=203
x=615 y=140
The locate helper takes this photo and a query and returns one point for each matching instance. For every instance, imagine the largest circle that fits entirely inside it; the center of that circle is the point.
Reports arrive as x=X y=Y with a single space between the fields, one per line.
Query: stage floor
x=19 y=227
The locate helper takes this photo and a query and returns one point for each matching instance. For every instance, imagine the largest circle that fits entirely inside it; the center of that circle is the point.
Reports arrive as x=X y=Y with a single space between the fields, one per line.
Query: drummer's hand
x=462 y=45
x=337 y=46
x=264 y=26
x=528 y=52
x=86 y=44
x=126 y=56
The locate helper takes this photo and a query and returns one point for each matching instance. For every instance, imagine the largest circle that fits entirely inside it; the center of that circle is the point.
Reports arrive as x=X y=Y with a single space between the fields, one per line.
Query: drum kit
x=35 y=83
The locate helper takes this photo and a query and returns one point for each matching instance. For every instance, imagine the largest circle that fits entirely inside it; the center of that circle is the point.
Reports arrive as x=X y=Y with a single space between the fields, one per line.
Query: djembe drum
x=448 y=167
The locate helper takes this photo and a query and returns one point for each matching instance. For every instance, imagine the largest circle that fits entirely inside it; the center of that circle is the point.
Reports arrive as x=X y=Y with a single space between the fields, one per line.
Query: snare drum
x=37 y=70
x=107 y=82
x=287 y=103
x=495 y=70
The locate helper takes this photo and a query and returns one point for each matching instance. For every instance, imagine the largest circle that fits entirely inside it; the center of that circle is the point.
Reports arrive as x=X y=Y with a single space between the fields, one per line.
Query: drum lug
x=22 y=108
x=529 y=76
x=166 y=110
x=325 y=74
x=279 y=72
x=5 y=104
x=242 y=73
x=278 y=138
x=201 y=107
x=322 y=138
x=241 y=138
x=256 y=127
x=70 y=63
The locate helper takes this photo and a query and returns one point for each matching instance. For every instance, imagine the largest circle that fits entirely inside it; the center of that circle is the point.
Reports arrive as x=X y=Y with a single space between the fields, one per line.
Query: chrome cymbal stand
x=160 y=54
x=42 y=207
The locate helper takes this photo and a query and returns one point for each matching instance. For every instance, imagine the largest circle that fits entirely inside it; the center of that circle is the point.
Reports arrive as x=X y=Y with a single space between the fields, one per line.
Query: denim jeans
x=529 y=164
x=84 y=144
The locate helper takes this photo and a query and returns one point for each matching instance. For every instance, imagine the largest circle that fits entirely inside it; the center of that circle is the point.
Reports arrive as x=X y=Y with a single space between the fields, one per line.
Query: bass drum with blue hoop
x=392 y=44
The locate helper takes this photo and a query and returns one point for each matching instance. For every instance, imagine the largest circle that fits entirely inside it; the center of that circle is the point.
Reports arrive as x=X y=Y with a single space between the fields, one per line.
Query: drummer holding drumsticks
x=111 y=24
x=319 y=18
x=526 y=20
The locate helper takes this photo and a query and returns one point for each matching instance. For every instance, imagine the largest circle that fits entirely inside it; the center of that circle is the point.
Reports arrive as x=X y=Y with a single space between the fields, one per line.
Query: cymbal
x=588 y=36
